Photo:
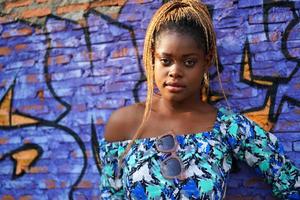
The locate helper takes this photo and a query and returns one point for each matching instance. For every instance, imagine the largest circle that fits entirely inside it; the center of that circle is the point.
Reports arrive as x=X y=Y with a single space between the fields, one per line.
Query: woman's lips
x=174 y=87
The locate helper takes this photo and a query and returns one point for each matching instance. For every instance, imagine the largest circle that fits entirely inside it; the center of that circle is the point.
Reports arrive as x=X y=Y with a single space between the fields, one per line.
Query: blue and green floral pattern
x=207 y=159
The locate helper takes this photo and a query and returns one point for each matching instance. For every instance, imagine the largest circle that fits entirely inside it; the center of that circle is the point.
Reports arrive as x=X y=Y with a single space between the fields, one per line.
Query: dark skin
x=179 y=68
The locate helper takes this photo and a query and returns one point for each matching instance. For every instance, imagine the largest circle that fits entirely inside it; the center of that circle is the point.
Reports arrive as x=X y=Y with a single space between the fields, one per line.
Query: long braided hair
x=175 y=14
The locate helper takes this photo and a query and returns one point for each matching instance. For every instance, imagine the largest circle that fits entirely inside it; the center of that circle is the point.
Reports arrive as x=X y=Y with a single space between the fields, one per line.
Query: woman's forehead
x=172 y=42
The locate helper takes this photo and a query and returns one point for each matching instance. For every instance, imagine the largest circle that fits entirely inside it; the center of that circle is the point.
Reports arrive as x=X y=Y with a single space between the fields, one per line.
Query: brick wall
x=66 y=65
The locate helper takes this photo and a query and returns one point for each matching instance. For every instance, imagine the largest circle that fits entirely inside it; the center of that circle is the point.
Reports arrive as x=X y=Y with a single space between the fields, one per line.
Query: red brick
x=88 y=153
x=80 y=107
x=3 y=83
x=4 y=51
x=27 y=141
x=60 y=107
x=32 y=107
x=20 y=47
x=62 y=59
x=85 y=184
x=38 y=170
x=7 y=197
x=3 y=140
x=17 y=32
x=120 y=53
x=43 y=1
x=73 y=154
x=72 y=8
x=26 y=197
x=274 y=36
x=49 y=61
x=38 y=12
x=31 y=78
x=108 y=3
x=63 y=184
x=25 y=31
x=51 y=184
x=14 y=4
x=5 y=35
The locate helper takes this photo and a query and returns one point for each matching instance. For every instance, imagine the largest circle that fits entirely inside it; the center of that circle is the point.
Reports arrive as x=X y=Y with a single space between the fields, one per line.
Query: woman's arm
x=261 y=150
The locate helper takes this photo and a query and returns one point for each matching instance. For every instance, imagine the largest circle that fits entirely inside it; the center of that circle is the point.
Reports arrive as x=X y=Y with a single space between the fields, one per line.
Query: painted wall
x=66 y=65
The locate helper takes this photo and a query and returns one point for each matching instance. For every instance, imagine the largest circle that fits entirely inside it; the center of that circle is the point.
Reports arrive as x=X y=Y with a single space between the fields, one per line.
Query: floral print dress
x=207 y=159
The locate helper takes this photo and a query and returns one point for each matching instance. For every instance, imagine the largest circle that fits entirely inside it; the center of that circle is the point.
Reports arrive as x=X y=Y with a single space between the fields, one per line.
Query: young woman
x=175 y=145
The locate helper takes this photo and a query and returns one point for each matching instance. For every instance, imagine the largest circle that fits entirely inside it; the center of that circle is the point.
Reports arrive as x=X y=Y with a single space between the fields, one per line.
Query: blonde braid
x=173 y=11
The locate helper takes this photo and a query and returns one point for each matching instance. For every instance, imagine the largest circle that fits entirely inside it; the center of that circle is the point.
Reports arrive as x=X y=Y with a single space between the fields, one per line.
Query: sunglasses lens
x=171 y=167
x=166 y=143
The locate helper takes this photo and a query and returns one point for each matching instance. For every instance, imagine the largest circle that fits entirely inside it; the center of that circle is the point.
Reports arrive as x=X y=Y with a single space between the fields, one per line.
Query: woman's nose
x=175 y=71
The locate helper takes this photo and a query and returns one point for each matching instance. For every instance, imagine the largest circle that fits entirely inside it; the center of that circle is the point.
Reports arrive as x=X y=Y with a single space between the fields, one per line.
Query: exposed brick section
x=62 y=59
x=4 y=51
x=107 y=3
x=3 y=140
x=32 y=107
x=38 y=170
x=18 y=3
x=51 y=184
x=38 y=12
x=120 y=53
x=26 y=197
x=31 y=78
x=72 y=8
x=20 y=47
x=7 y=197
x=43 y=1
x=80 y=107
x=63 y=184
x=85 y=184
x=24 y=31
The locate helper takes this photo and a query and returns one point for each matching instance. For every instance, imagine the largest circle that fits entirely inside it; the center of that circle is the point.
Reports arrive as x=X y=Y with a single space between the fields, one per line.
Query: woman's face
x=179 y=66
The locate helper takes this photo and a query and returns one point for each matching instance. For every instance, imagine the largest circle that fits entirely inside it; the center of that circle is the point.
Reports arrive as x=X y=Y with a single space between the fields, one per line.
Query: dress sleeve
x=261 y=150
x=111 y=186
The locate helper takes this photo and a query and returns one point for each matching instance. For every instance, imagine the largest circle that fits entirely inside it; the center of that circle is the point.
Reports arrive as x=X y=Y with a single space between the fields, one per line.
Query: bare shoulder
x=124 y=122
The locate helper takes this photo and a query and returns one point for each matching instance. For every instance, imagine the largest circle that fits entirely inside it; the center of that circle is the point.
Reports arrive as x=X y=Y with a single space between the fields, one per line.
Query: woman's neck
x=167 y=107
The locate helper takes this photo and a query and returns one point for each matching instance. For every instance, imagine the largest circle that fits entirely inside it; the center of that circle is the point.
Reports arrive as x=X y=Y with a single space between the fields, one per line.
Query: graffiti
x=267 y=115
x=23 y=158
x=62 y=77
x=19 y=118
x=38 y=147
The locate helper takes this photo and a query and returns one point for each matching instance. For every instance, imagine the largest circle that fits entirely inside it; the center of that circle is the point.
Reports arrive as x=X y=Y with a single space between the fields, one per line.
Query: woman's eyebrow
x=169 y=54
x=162 y=54
x=190 y=54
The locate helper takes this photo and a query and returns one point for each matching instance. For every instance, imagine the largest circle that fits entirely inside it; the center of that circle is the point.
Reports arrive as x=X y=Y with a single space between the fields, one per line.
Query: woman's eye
x=189 y=63
x=165 y=61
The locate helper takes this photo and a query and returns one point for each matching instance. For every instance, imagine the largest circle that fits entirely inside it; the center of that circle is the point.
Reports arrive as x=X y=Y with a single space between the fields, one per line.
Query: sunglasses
x=172 y=166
